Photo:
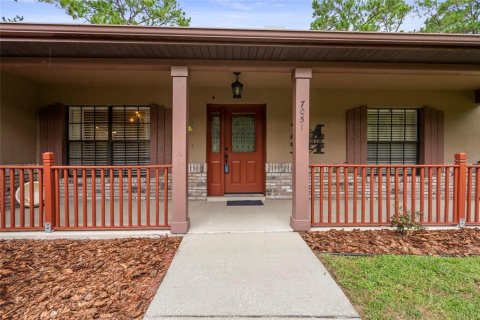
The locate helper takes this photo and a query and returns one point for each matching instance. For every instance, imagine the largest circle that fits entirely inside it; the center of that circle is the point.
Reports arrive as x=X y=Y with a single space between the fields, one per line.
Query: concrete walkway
x=245 y=275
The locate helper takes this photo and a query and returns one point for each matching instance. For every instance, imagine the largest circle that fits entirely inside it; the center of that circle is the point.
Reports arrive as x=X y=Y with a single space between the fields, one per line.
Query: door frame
x=261 y=108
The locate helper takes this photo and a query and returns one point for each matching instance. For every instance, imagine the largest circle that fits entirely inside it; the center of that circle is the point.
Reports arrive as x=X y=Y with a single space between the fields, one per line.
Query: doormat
x=233 y=203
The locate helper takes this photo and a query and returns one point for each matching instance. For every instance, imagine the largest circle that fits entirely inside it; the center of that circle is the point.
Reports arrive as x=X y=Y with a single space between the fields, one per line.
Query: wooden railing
x=369 y=195
x=84 y=197
x=21 y=216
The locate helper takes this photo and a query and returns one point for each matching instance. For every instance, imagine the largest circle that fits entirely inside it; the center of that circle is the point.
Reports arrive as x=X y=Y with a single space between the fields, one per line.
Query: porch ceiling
x=203 y=79
x=93 y=41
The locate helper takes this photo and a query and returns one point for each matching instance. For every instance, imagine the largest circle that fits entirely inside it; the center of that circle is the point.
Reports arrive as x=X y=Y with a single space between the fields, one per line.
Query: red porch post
x=180 y=221
x=49 y=191
x=300 y=219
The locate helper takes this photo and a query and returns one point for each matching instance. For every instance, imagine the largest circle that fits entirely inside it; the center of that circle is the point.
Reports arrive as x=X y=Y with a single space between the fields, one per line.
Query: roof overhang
x=137 y=42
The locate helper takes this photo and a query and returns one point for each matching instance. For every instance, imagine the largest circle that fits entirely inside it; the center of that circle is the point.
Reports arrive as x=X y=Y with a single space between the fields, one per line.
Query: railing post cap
x=460 y=157
x=48 y=156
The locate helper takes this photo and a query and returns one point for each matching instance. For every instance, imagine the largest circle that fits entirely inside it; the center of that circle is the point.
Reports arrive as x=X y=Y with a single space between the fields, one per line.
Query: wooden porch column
x=180 y=221
x=300 y=219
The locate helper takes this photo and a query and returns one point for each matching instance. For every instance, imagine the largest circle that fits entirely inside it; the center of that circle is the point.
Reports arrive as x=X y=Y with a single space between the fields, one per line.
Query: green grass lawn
x=409 y=287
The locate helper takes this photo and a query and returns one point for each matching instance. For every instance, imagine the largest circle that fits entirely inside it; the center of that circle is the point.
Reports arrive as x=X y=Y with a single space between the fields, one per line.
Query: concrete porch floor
x=217 y=217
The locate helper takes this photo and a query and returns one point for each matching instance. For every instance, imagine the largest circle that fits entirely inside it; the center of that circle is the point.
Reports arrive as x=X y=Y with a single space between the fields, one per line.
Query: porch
x=139 y=129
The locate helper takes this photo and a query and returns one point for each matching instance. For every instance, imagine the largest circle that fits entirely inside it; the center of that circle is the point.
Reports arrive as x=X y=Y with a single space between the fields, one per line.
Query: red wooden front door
x=235 y=147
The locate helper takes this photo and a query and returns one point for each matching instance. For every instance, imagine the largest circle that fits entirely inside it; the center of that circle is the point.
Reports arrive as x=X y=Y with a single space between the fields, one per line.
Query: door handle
x=226 y=167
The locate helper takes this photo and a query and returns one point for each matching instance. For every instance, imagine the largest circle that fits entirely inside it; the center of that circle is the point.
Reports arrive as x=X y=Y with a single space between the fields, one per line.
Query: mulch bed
x=82 y=279
x=463 y=242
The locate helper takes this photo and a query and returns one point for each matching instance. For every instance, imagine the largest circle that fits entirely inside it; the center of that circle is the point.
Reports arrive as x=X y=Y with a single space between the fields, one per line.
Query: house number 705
x=302 y=114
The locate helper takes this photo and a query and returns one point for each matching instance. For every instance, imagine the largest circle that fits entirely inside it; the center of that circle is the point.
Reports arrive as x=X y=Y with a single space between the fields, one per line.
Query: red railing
x=27 y=212
x=369 y=195
x=473 y=195
x=84 y=197
x=111 y=197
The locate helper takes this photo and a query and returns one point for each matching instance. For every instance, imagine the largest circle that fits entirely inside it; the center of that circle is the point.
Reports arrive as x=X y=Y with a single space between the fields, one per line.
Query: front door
x=235 y=147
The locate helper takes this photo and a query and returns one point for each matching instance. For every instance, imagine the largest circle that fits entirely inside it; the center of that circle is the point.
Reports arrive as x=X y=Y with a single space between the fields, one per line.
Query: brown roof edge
x=31 y=32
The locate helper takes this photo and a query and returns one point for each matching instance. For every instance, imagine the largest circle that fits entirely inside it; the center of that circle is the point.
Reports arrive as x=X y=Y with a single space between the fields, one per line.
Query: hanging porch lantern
x=237 y=87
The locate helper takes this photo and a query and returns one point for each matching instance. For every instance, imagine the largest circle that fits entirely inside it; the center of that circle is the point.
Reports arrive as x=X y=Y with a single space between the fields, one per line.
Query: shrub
x=403 y=221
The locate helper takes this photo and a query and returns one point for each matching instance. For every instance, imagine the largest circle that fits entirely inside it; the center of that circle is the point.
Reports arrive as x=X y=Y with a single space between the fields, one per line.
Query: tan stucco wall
x=328 y=107
x=18 y=120
x=461 y=124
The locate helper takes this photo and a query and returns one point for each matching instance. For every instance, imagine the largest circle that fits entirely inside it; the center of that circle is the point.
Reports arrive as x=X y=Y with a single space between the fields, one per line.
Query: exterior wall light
x=237 y=87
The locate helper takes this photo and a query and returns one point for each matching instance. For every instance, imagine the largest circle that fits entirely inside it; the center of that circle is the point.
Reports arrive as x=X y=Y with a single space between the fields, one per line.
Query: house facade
x=113 y=96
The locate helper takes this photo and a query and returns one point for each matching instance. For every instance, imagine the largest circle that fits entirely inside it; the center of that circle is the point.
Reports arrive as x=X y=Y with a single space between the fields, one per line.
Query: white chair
x=26 y=191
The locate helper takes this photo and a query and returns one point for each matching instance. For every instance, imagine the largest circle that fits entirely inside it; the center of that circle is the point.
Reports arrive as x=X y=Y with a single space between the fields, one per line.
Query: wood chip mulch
x=463 y=242
x=82 y=279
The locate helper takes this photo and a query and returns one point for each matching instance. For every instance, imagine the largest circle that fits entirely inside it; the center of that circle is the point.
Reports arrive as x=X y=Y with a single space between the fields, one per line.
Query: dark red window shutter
x=53 y=132
x=160 y=135
x=431 y=136
x=357 y=135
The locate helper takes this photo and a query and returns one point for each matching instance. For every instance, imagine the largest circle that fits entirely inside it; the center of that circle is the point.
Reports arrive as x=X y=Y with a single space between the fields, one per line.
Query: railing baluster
x=66 y=199
x=93 y=174
x=355 y=190
x=312 y=194
x=102 y=195
x=363 y=194
x=120 y=196
x=32 y=198
x=337 y=194
x=379 y=195
x=3 y=199
x=345 y=193
x=330 y=194
x=430 y=197
x=405 y=189
x=129 y=183
x=12 y=199
x=422 y=194
x=21 y=182
x=165 y=196
x=84 y=199
x=139 y=198
x=321 y=195
x=396 y=186
x=147 y=197
x=75 y=197
x=157 y=197
x=477 y=195
x=56 y=175
x=112 y=198
x=447 y=195
x=372 y=196
x=413 y=190
x=41 y=202
x=387 y=191
x=439 y=184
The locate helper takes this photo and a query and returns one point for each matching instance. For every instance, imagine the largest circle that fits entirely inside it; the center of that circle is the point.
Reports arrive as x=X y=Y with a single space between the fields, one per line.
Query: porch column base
x=299 y=225
x=180 y=227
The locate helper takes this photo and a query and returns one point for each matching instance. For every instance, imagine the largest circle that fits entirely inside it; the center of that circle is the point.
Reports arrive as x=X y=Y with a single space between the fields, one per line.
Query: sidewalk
x=235 y=276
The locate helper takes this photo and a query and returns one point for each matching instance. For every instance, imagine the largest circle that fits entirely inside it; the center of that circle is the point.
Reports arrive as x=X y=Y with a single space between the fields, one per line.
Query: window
x=392 y=136
x=108 y=135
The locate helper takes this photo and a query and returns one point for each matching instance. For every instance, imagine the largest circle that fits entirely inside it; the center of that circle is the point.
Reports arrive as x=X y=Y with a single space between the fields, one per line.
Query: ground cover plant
x=420 y=274
x=81 y=279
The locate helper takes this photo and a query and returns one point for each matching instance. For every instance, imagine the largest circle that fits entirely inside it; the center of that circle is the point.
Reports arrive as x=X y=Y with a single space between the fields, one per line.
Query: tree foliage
x=126 y=12
x=362 y=15
x=17 y=18
x=450 y=16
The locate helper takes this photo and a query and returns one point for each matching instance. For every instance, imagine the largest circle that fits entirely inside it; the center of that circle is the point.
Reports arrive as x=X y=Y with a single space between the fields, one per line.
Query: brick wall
x=278 y=180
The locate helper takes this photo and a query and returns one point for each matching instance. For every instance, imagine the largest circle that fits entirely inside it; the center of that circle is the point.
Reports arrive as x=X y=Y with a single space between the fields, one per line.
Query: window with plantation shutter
x=392 y=136
x=108 y=135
